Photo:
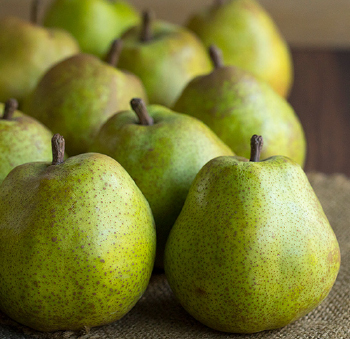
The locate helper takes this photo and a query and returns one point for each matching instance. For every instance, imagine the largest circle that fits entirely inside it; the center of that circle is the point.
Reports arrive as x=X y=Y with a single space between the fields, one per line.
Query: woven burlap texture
x=159 y=315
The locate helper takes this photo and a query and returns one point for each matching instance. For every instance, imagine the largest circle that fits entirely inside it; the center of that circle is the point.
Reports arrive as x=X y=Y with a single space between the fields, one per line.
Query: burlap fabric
x=159 y=315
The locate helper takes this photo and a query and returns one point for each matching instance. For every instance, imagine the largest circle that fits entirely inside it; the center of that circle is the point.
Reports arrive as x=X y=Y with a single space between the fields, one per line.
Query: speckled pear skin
x=77 y=243
x=249 y=39
x=163 y=159
x=22 y=139
x=78 y=95
x=252 y=249
x=94 y=23
x=27 y=52
x=166 y=63
x=235 y=105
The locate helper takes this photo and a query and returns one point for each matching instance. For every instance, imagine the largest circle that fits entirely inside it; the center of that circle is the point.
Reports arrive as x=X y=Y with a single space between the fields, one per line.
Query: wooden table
x=321 y=98
x=319 y=33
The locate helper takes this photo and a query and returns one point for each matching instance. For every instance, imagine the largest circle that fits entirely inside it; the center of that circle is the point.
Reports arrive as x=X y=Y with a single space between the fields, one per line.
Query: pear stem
x=146 y=31
x=256 y=144
x=113 y=54
x=10 y=107
x=58 y=145
x=216 y=56
x=139 y=107
x=34 y=12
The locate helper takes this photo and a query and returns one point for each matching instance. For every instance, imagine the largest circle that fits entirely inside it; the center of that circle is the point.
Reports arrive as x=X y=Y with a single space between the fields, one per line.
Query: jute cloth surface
x=159 y=315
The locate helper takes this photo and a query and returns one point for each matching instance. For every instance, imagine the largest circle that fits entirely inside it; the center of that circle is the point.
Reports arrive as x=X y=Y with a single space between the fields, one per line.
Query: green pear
x=235 y=105
x=27 y=52
x=164 y=56
x=77 y=242
x=162 y=151
x=252 y=249
x=248 y=38
x=94 y=23
x=22 y=139
x=76 y=96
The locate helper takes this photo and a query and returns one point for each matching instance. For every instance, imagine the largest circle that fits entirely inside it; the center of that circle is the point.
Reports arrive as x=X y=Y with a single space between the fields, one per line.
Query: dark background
x=321 y=99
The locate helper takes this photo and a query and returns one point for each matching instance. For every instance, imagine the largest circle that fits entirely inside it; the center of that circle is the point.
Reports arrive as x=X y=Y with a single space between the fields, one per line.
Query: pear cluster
x=126 y=146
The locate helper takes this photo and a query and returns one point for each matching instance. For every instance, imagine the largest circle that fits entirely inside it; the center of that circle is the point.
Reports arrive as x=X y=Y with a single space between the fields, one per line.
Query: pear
x=252 y=249
x=94 y=23
x=22 y=139
x=77 y=242
x=165 y=56
x=162 y=151
x=235 y=105
x=76 y=96
x=27 y=52
x=249 y=39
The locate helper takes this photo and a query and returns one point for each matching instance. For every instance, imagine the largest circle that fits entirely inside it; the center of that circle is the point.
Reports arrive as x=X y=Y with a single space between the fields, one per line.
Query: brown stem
x=34 y=12
x=256 y=144
x=10 y=107
x=216 y=56
x=58 y=144
x=113 y=54
x=140 y=109
x=146 y=29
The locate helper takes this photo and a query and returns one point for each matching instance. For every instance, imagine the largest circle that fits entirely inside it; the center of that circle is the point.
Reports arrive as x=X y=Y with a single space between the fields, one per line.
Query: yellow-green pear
x=165 y=57
x=236 y=105
x=252 y=249
x=77 y=242
x=162 y=151
x=22 y=139
x=94 y=23
x=249 y=39
x=76 y=96
x=27 y=51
